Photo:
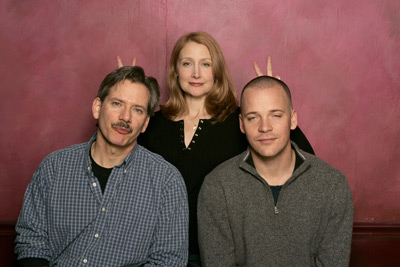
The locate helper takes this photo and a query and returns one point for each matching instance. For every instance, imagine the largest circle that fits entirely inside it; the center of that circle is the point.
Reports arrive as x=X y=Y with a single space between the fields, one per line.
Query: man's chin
x=122 y=143
x=265 y=153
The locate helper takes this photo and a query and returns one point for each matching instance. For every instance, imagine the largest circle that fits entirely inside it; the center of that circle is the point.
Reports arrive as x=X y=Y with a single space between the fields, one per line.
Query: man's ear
x=146 y=123
x=293 y=120
x=96 y=107
x=241 y=124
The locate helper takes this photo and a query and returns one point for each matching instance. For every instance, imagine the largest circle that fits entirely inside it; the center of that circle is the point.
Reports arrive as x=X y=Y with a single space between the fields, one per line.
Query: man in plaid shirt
x=107 y=202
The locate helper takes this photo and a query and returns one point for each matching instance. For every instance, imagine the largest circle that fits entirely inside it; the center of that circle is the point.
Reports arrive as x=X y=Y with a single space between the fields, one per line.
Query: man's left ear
x=293 y=120
x=96 y=106
x=241 y=124
x=146 y=123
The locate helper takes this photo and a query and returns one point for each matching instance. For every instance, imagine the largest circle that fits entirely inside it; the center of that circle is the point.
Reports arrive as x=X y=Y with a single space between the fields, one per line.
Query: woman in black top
x=198 y=127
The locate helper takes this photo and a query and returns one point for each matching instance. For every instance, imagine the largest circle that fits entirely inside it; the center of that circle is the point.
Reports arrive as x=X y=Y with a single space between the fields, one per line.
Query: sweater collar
x=302 y=163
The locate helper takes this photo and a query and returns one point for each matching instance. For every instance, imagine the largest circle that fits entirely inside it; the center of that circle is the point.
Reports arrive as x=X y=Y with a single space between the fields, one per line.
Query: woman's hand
x=269 y=68
x=119 y=62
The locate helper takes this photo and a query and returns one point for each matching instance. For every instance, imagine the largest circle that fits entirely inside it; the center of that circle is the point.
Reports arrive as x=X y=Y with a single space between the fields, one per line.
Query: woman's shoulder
x=158 y=118
x=232 y=118
x=157 y=115
x=159 y=124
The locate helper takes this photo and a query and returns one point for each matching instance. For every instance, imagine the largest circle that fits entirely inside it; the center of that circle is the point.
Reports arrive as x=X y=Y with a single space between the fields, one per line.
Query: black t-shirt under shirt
x=101 y=174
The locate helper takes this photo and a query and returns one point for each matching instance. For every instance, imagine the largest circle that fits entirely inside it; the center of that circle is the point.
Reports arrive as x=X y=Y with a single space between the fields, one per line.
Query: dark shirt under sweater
x=276 y=189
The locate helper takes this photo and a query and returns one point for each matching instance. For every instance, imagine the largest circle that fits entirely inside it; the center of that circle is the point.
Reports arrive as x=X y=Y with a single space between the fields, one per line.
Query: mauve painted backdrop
x=340 y=58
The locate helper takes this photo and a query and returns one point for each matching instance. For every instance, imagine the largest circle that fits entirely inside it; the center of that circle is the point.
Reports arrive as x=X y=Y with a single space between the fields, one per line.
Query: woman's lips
x=196 y=84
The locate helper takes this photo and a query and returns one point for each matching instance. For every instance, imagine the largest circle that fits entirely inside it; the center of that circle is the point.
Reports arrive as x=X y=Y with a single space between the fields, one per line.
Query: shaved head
x=265 y=82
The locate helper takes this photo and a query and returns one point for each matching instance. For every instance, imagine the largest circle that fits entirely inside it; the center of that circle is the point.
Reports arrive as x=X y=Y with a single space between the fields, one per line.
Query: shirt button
x=88 y=168
x=94 y=184
x=84 y=260
x=103 y=209
x=96 y=235
x=125 y=171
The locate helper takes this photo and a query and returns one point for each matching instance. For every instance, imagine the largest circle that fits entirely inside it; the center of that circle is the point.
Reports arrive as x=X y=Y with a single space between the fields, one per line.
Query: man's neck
x=276 y=170
x=108 y=156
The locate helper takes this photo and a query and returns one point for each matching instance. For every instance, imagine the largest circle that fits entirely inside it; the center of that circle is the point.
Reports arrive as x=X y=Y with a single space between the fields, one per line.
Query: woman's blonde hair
x=221 y=100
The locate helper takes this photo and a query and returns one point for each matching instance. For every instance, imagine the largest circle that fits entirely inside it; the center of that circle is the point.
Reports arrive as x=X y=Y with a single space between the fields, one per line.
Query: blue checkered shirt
x=140 y=220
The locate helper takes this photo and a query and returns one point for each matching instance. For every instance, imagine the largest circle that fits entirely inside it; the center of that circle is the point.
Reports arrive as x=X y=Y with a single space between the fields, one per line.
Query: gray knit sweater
x=239 y=224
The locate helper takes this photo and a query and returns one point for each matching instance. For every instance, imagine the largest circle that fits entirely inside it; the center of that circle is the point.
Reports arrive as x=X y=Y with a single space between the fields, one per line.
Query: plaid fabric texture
x=140 y=220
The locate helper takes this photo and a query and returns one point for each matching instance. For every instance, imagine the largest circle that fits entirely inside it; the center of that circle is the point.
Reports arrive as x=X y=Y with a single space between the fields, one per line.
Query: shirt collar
x=127 y=161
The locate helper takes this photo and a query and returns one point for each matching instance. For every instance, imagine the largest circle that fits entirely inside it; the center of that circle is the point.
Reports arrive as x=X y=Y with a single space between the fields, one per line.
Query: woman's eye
x=186 y=64
x=207 y=64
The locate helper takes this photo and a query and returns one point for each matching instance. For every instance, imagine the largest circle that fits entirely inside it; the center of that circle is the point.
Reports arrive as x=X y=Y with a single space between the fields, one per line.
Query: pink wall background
x=340 y=58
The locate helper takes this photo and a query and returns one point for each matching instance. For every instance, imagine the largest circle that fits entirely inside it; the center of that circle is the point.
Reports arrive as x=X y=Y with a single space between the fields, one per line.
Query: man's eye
x=138 y=110
x=116 y=104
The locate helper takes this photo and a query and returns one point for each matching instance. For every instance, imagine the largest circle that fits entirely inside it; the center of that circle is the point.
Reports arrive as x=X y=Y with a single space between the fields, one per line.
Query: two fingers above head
x=119 y=62
x=269 y=68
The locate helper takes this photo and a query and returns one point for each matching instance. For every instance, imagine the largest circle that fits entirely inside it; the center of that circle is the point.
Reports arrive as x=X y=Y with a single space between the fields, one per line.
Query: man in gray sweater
x=274 y=204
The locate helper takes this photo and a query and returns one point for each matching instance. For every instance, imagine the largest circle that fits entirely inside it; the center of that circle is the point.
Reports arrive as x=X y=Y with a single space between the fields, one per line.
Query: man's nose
x=125 y=115
x=265 y=125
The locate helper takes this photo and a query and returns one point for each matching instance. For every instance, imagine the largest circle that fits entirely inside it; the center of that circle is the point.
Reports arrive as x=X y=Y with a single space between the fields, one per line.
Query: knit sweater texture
x=239 y=224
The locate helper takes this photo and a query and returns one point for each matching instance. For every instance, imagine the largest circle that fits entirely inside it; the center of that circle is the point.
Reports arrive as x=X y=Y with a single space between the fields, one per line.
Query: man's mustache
x=122 y=124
